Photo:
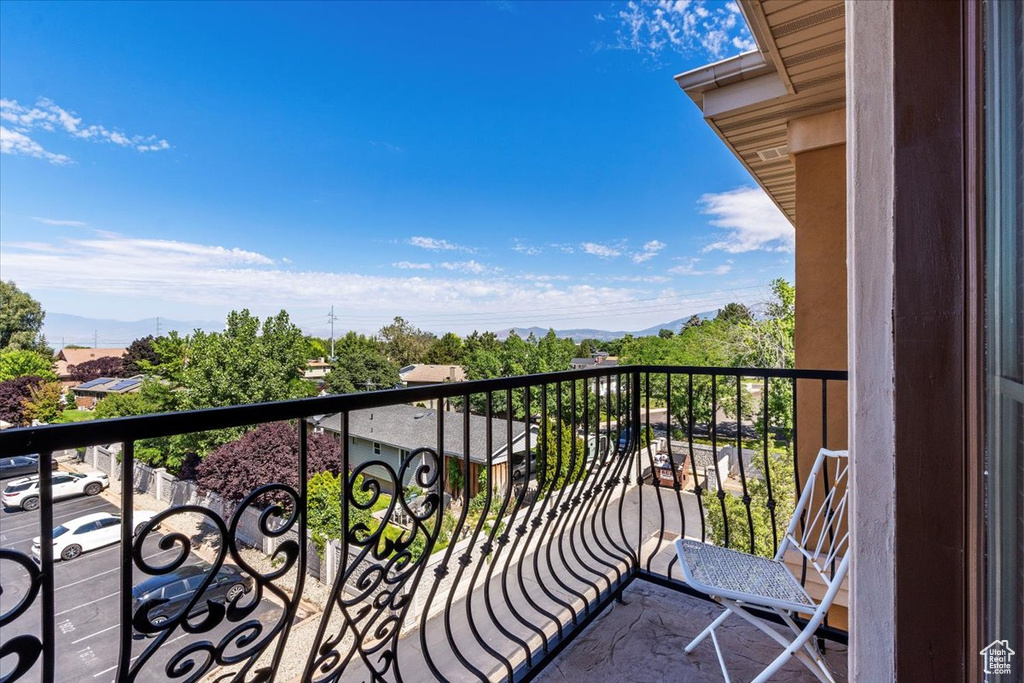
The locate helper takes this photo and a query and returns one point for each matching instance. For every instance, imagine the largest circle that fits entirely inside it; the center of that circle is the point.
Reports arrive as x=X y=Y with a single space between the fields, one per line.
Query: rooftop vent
x=772 y=153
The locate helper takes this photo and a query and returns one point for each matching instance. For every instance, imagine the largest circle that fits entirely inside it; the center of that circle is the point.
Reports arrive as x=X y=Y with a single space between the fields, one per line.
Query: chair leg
x=708 y=631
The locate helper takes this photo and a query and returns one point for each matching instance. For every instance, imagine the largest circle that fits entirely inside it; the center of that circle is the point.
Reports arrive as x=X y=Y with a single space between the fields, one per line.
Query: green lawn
x=74 y=415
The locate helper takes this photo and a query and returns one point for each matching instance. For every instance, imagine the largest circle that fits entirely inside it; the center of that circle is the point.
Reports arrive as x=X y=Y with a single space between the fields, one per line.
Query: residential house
x=390 y=433
x=317 y=370
x=424 y=374
x=600 y=358
x=67 y=358
x=88 y=394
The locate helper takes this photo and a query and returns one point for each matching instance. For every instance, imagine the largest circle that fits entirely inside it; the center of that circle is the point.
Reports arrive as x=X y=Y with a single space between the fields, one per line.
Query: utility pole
x=330 y=317
x=95 y=336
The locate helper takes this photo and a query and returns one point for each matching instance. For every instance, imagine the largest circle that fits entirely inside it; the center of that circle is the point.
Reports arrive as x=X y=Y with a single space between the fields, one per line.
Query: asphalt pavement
x=86 y=600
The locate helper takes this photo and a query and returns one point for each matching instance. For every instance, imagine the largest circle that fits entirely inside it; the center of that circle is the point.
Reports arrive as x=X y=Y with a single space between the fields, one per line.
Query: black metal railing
x=529 y=506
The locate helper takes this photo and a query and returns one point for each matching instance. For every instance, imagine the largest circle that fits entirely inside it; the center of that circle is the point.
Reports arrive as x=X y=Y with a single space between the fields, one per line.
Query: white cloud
x=470 y=266
x=600 y=250
x=13 y=142
x=434 y=244
x=653 y=279
x=522 y=247
x=230 y=277
x=751 y=221
x=409 y=265
x=684 y=26
x=47 y=116
x=689 y=267
x=649 y=251
x=54 y=221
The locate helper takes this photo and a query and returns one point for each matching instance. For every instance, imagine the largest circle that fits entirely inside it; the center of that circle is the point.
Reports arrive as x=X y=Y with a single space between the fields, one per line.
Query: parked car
x=24 y=492
x=89 y=532
x=176 y=588
x=519 y=466
x=21 y=465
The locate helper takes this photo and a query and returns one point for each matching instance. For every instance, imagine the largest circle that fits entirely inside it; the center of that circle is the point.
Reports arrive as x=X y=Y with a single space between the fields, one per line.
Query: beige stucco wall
x=821 y=332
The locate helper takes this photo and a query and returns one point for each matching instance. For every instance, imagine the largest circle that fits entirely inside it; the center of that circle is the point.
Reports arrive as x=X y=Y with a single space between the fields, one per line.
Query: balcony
x=527 y=534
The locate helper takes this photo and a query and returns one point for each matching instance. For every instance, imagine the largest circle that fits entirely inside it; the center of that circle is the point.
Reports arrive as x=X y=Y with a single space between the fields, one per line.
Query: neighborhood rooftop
x=411 y=427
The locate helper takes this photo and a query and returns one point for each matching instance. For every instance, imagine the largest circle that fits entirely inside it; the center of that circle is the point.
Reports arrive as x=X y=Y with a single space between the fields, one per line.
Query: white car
x=24 y=492
x=89 y=532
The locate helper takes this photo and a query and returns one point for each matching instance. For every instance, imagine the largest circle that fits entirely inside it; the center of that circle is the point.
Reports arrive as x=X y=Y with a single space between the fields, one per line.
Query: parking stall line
x=93 y=576
x=92 y=602
x=63 y=514
x=109 y=628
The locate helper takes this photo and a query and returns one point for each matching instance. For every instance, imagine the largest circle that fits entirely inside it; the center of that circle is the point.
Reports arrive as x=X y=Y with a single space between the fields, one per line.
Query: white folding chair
x=739 y=581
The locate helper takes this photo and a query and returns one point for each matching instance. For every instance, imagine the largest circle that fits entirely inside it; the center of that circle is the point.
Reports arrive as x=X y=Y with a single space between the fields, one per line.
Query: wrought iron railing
x=488 y=551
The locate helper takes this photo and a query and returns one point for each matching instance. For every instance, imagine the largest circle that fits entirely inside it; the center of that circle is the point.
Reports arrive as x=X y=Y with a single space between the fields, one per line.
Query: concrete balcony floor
x=642 y=641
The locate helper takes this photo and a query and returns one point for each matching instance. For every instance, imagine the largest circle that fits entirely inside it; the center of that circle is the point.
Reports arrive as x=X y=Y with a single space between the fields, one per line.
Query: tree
x=21 y=319
x=122 y=405
x=43 y=403
x=140 y=355
x=691 y=322
x=246 y=363
x=13 y=393
x=665 y=333
x=16 y=363
x=584 y=350
x=170 y=354
x=107 y=366
x=403 y=343
x=734 y=313
x=447 y=350
x=487 y=340
x=323 y=509
x=780 y=467
x=360 y=366
x=560 y=456
x=269 y=453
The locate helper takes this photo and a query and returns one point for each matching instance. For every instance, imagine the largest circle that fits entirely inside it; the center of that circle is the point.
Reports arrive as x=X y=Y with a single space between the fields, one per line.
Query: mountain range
x=604 y=335
x=62 y=329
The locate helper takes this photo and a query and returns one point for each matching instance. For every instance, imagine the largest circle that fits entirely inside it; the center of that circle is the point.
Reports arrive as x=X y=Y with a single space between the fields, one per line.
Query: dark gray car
x=21 y=466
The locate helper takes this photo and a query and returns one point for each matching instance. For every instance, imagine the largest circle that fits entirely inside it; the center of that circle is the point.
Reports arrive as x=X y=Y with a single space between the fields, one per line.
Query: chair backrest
x=819 y=529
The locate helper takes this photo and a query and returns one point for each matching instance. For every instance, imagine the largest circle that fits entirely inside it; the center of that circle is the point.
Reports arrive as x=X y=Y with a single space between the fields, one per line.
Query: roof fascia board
x=698 y=82
x=743 y=94
x=753 y=12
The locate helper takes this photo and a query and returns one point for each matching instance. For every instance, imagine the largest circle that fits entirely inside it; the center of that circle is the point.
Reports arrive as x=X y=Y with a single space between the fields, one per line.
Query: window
x=175 y=590
x=353 y=439
x=1004 y=327
x=376 y=448
x=404 y=453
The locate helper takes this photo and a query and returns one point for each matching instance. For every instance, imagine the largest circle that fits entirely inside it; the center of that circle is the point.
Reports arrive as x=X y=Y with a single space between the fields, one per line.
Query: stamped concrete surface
x=643 y=641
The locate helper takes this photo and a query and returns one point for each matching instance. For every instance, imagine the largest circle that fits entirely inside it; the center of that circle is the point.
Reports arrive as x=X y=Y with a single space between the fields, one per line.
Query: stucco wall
x=820 y=336
x=821 y=332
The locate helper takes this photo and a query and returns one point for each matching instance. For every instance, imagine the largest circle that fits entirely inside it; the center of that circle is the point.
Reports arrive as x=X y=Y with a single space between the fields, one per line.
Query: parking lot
x=86 y=599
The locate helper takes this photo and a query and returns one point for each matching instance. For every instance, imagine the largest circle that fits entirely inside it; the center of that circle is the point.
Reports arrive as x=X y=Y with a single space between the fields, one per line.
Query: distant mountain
x=62 y=329
x=603 y=335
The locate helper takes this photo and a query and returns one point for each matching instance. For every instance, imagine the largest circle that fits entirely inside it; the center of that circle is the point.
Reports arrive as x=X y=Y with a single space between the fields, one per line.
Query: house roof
x=112 y=385
x=410 y=427
x=591 y=362
x=424 y=373
x=798 y=71
x=77 y=356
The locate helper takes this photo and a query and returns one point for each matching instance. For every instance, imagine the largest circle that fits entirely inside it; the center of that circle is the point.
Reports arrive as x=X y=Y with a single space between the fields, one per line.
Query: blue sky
x=464 y=165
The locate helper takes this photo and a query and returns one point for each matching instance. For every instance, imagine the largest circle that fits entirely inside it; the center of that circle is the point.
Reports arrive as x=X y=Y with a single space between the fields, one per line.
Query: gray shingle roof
x=411 y=427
